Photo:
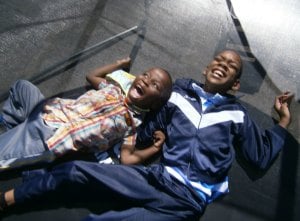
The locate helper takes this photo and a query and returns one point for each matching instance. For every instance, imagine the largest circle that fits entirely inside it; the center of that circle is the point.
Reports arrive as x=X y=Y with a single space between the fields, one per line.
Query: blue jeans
x=24 y=143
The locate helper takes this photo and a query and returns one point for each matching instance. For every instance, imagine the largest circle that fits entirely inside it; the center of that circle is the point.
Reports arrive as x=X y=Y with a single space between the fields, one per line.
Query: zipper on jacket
x=194 y=146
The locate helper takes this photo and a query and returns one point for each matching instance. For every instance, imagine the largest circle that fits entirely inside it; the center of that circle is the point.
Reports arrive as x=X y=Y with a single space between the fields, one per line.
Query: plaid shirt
x=97 y=119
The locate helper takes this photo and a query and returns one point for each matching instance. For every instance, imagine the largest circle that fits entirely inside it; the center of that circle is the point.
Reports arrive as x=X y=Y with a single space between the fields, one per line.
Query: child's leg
x=25 y=145
x=23 y=98
x=138 y=214
x=124 y=186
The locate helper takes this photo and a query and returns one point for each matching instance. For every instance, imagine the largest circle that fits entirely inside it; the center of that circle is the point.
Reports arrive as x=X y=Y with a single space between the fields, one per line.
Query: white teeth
x=218 y=73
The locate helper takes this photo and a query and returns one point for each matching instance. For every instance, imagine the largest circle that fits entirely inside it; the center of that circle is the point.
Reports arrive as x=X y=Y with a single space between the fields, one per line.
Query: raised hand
x=158 y=139
x=281 y=105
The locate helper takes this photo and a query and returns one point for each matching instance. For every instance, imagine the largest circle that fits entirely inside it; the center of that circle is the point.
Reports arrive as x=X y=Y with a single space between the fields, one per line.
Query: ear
x=236 y=85
x=204 y=72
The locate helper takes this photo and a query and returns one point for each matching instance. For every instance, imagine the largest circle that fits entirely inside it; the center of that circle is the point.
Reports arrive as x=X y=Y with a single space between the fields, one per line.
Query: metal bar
x=37 y=78
x=43 y=74
x=103 y=42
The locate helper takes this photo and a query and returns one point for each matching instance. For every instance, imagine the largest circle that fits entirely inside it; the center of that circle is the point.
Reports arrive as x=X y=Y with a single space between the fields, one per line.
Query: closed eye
x=218 y=58
x=234 y=66
x=156 y=85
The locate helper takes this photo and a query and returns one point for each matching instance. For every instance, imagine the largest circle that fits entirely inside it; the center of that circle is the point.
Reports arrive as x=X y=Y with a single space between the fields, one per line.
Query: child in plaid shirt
x=41 y=130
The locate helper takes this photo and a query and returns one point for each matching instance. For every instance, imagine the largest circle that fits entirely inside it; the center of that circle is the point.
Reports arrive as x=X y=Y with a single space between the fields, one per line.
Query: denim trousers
x=24 y=141
x=135 y=193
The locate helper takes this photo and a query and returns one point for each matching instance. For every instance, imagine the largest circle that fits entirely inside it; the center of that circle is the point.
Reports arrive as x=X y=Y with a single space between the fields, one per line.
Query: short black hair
x=239 y=73
x=166 y=92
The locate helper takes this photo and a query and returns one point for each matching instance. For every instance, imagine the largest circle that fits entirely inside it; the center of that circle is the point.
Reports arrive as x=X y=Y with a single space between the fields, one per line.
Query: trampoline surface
x=38 y=41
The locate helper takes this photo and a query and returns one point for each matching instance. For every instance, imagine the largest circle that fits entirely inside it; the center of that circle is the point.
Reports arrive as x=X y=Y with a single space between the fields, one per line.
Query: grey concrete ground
x=181 y=36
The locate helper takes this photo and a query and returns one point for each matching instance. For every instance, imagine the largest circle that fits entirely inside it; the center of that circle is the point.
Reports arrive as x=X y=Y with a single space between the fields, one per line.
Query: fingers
x=281 y=106
x=159 y=138
x=126 y=60
x=159 y=135
x=124 y=63
x=285 y=97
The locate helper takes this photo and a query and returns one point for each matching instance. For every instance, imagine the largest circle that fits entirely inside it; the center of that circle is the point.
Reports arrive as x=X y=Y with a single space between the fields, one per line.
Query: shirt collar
x=213 y=98
x=134 y=109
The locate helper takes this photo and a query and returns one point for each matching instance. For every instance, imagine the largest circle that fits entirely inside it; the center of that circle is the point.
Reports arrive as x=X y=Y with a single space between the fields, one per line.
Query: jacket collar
x=190 y=84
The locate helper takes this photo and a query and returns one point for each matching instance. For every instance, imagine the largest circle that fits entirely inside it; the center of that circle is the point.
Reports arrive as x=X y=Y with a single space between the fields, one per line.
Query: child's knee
x=70 y=172
x=19 y=84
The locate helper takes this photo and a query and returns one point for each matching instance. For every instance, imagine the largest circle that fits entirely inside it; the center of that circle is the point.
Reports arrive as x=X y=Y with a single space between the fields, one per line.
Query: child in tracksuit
x=95 y=121
x=203 y=124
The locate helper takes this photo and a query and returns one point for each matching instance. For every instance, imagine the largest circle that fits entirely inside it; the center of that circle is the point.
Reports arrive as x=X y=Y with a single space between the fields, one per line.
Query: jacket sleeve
x=260 y=147
x=151 y=123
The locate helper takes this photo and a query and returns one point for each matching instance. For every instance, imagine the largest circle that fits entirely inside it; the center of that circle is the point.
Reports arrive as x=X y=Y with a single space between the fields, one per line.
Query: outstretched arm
x=281 y=105
x=130 y=155
x=260 y=147
x=97 y=75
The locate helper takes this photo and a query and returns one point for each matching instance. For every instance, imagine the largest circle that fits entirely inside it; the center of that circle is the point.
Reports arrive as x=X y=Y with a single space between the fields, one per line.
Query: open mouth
x=218 y=73
x=137 y=91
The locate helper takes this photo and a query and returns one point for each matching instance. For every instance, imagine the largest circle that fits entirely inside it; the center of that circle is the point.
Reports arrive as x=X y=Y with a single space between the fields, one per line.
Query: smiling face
x=222 y=74
x=150 y=89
